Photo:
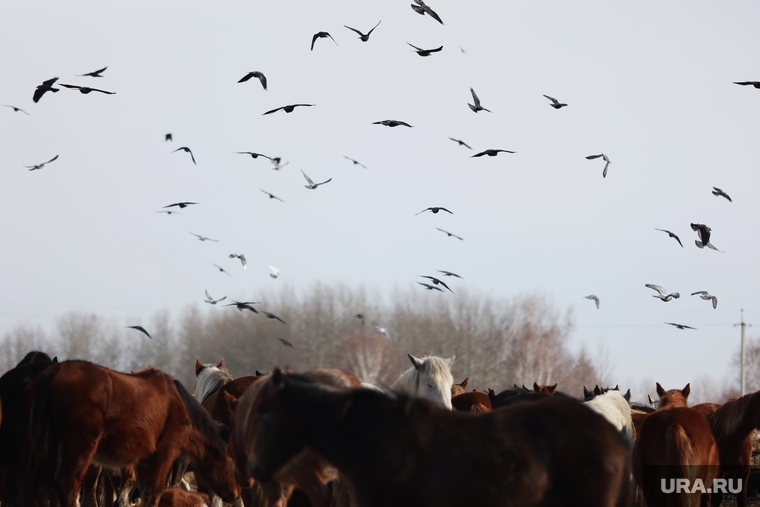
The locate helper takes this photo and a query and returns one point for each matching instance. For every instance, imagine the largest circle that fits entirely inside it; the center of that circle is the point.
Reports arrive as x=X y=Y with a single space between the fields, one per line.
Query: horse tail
x=686 y=456
x=43 y=443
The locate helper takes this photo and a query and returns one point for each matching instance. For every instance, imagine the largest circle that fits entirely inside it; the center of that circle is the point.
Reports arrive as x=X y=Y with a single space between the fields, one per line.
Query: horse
x=82 y=413
x=615 y=408
x=308 y=471
x=211 y=381
x=403 y=451
x=457 y=389
x=471 y=402
x=177 y=497
x=429 y=377
x=675 y=442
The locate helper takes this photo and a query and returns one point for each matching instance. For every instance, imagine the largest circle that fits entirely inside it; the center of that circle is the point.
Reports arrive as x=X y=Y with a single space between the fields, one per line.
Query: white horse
x=429 y=377
x=615 y=408
x=209 y=378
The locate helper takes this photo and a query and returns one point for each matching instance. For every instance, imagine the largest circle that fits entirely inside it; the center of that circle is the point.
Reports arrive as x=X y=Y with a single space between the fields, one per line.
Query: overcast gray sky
x=647 y=83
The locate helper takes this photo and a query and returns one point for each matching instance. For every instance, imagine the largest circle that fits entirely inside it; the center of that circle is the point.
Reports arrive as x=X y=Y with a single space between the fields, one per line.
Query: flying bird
x=320 y=35
x=460 y=142
x=356 y=162
x=46 y=86
x=40 y=166
x=556 y=104
x=258 y=75
x=679 y=326
x=364 y=37
x=142 y=330
x=168 y=137
x=95 y=73
x=476 y=107
x=242 y=259
x=272 y=196
x=491 y=153
x=275 y=273
x=17 y=109
x=670 y=234
x=436 y=281
x=380 y=330
x=84 y=90
x=756 y=84
x=286 y=343
x=605 y=158
x=391 y=123
x=662 y=293
x=595 y=299
x=720 y=193
x=449 y=273
x=211 y=300
x=421 y=8
x=244 y=305
x=203 y=238
x=434 y=209
x=169 y=212
x=289 y=108
x=425 y=52
x=707 y=297
x=312 y=185
x=272 y=316
x=450 y=234
x=430 y=287
x=221 y=269
x=360 y=317
x=181 y=204
x=253 y=154
x=185 y=148
x=277 y=164
x=704 y=233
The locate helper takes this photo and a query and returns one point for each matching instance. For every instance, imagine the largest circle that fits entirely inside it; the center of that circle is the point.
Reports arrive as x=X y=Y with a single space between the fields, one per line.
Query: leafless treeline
x=497 y=342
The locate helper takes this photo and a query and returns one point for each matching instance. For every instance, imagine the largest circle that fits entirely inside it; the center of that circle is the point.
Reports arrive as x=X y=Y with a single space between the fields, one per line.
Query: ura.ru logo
x=698 y=486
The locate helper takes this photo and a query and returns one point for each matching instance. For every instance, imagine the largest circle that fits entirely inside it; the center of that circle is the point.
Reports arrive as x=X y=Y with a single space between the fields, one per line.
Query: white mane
x=429 y=377
x=209 y=380
x=615 y=408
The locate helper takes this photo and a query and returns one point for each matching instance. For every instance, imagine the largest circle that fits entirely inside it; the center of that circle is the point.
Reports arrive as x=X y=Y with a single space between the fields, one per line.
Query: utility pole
x=744 y=355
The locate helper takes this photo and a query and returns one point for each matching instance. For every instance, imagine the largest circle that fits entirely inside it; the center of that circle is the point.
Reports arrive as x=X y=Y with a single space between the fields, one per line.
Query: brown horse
x=675 y=442
x=307 y=470
x=457 y=389
x=403 y=451
x=471 y=402
x=83 y=413
x=212 y=381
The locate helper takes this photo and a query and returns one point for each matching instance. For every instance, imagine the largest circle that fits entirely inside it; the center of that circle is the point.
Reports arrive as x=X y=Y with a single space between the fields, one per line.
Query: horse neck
x=738 y=418
x=408 y=382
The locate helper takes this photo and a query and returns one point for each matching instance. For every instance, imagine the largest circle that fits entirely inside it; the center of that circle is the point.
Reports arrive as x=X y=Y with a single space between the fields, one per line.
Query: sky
x=648 y=84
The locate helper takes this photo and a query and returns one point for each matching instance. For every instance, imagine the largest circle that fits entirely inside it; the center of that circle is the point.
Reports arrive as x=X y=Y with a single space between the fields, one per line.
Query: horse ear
x=587 y=393
x=277 y=377
x=686 y=390
x=464 y=382
x=525 y=388
x=597 y=391
x=536 y=388
x=198 y=366
x=660 y=390
x=220 y=365
x=416 y=362
x=55 y=359
x=627 y=396
x=552 y=389
x=451 y=360
x=617 y=387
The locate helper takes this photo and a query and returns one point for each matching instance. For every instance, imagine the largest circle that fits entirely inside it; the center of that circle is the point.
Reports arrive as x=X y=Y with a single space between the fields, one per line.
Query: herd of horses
x=75 y=433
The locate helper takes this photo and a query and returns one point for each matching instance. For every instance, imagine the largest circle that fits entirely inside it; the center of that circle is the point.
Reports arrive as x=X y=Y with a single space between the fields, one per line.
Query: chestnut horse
x=83 y=413
x=403 y=451
x=461 y=388
x=675 y=442
x=471 y=402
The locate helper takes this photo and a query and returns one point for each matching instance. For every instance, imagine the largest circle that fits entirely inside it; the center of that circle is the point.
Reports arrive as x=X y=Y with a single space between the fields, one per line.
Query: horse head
x=430 y=377
x=673 y=397
x=457 y=389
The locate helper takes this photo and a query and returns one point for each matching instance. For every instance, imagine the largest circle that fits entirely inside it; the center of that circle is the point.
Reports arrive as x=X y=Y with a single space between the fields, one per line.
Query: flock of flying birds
x=436 y=284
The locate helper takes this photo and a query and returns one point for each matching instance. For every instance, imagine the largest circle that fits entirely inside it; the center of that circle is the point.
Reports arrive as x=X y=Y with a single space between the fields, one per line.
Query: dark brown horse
x=403 y=451
x=83 y=413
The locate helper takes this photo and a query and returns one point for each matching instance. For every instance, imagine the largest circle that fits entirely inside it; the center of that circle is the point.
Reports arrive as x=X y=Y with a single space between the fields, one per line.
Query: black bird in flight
x=95 y=73
x=272 y=316
x=434 y=209
x=320 y=35
x=169 y=212
x=241 y=257
x=276 y=163
x=181 y=204
x=245 y=305
x=671 y=235
x=476 y=107
x=421 y=8
x=605 y=158
x=185 y=148
x=756 y=84
x=356 y=162
x=460 y=143
x=430 y=287
x=272 y=196
x=252 y=154
x=364 y=37
x=221 y=269
x=704 y=233
x=680 y=326
x=142 y=330
x=360 y=316
x=449 y=273
x=84 y=90
x=40 y=166
x=720 y=193
x=450 y=234
x=46 y=86
x=288 y=108
x=436 y=281
x=491 y=153
x=286 y=343
x=17 y=109
x=391 y=123
x=258 y=75
x=556 y=104
x=203 y=238
x=594 y=298
x=425 y=52
x=168 y=137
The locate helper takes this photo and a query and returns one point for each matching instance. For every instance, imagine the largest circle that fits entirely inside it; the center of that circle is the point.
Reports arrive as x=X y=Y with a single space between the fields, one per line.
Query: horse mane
x=201 y=419
x=728 y=418
x=35 y=356
x=209 y=380
x=408 y=381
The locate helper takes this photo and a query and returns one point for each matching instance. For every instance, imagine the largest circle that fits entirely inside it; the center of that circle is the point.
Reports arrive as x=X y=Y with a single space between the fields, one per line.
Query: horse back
x=334 y=377
x=471 y=402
